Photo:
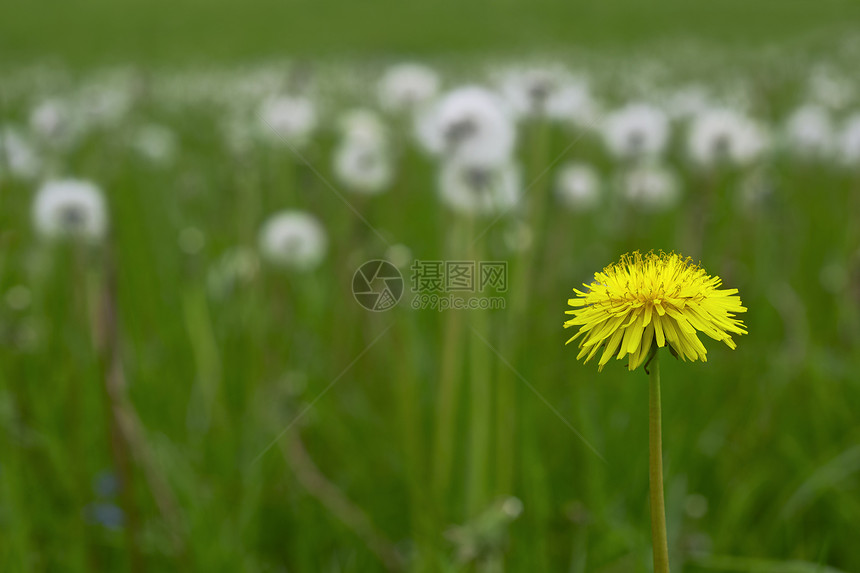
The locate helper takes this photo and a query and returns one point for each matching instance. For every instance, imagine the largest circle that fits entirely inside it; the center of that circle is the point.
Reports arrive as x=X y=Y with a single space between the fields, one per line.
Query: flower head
x=70 y=208
x=545 y=92
x=293 y=239
x=578 y=186
x=407 y=86
x=687 y=102
x=636 y=130
x=155 y=144
x=650 y=187
x=661 y=298
x=528 y=91
x=18 y=155
x=470 y=125
x=363 y=126
x=721 y=136
x=365 y=168
x=849 y=141
x=55 y=124
x=363 y=161
x=474 y=190
x=287 y=120
x=809 y=132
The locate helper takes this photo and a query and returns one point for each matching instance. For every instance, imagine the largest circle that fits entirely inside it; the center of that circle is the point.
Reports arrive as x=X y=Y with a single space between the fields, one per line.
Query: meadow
x=189 y=383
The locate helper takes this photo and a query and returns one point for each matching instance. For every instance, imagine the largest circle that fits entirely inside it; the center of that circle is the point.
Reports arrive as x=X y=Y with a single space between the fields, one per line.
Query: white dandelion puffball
x=636 y=130
x=809 y=132
x=364 y=167
x=830 y=88
x=849 y=141
x=104 y=105
x=17 y=155
x=399 y=255
x=293 y=239
x=470 y=125
x=287 y=120
x=54 y=123
x=363 y=160
x=687 y=102
x=49 y=117
x=70 y=208
x=573 y=103
x=720 y=136
x=156 y=144
x=362 y=125
x=476 y=190
x=577 y=186
x=545 y=92
x=406 y=87
x=651 y=187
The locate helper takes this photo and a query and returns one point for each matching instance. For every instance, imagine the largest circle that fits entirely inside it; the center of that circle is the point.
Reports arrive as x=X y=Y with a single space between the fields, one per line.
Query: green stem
x=655 y=454
x=450 y=377
x=446 y=412
x=480 y=418
x=204 y=346
x=480 y=406
x=410 y=420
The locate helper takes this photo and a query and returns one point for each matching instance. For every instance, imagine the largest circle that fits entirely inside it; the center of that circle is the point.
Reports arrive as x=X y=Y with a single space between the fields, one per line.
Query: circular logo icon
x=377 y=285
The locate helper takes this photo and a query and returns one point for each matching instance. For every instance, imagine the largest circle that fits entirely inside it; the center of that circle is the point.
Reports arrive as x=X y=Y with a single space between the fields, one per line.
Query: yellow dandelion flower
x=656 y=297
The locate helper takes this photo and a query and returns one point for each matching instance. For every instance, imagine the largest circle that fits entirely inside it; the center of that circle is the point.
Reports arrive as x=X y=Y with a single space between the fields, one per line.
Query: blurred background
x=198 y=372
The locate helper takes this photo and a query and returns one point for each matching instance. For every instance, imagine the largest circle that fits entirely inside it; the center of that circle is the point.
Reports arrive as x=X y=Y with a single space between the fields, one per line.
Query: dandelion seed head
x=542 y=92
x=512 y=507
x=49 y=117
x=830 y=88
x=363 y=125
x=287 y=120
x=849 y=141
x=809 y=132
x=687 y=102
x=364 y=167
x=470 y=125
x=156 y=144
x=399 y=255
x=636 y=130
x=104 y=104
x=18 y=155
x=406 y=87
x=55 y=124
x=720 y=136
x=363 y=160
x=293 y=239
x=474 y=190
x=66 y=208
x=578 y=186
x=651 y=187
x=652 y=299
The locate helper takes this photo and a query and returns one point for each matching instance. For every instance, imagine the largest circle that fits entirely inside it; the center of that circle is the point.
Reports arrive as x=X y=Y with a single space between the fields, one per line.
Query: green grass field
x=165 y=408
